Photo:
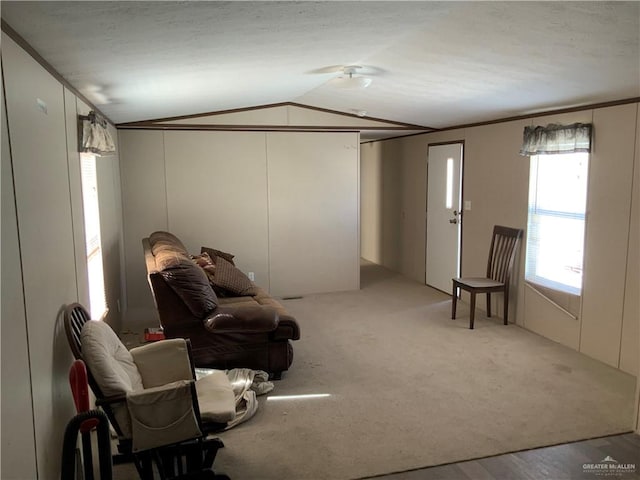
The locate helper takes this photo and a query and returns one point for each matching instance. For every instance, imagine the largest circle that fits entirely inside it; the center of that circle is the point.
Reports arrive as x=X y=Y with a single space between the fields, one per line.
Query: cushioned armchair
x=250 y=330
x=155 y=403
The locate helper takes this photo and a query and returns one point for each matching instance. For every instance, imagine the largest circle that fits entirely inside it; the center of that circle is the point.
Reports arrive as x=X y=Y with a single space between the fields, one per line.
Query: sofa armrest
x=163 y=415
x=249 y=319
x=163 y=362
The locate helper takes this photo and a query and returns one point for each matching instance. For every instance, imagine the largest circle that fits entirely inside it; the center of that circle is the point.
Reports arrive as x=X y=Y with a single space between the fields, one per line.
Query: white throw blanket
x=246 y=384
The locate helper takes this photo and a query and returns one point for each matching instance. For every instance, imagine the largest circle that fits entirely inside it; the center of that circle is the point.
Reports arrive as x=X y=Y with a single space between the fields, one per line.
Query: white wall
x=41 y=182
x=313 y=203
x=44 y=228
x=630 y=356
x=383 y=215
x=285 y=204
x=495 y=180
x=144 y=195
x=111 y=236
x=607 y=233
x=216 y=195
x=18 y=443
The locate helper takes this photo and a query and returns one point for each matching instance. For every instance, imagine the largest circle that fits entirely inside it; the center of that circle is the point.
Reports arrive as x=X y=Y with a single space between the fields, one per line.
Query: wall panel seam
x=166 y=187
x=268 y=185
x=73 y=227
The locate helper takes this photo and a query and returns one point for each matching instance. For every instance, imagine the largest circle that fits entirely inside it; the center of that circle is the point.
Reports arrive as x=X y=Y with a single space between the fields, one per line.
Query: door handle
x=453 y=221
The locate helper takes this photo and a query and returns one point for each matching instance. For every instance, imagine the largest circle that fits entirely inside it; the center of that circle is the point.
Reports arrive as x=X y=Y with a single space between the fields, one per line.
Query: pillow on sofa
x=167 y=258
x=191 y=284
x=205 y=262
x=213 y=253
x=231 y=280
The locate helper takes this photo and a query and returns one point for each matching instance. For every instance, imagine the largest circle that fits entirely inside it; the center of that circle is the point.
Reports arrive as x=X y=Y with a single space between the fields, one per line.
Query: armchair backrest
x=109 y=360
x=75 y=316
x=111 y=366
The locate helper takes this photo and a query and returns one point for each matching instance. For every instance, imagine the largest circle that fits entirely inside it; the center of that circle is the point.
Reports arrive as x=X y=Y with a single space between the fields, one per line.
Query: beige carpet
x=409 y=388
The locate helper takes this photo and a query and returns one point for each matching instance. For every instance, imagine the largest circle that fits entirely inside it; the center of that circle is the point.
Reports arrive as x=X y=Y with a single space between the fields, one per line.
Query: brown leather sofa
x=252 y=330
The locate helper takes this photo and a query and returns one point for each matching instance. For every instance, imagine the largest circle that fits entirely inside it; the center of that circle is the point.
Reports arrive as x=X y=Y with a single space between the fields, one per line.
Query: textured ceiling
x=434 y=64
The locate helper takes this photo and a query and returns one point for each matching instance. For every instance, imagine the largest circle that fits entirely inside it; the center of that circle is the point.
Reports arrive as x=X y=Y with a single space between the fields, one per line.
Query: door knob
x=453 y=220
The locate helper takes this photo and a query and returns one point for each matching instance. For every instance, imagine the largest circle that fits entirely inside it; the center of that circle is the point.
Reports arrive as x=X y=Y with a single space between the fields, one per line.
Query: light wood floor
x=560 y=462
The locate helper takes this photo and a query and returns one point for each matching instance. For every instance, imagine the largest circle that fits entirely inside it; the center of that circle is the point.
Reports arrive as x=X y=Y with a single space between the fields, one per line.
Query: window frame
x=533 y=208
x=92 y=236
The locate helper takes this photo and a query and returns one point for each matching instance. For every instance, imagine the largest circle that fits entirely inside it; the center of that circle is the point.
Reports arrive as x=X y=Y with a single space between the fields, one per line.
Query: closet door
x=313 y=212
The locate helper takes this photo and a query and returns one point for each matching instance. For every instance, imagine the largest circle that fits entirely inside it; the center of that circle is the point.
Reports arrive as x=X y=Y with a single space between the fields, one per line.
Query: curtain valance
x=555 y=138
x=96 y=138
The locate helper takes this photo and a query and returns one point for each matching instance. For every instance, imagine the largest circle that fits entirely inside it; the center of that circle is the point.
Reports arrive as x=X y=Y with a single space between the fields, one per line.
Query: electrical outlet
x=252 y=276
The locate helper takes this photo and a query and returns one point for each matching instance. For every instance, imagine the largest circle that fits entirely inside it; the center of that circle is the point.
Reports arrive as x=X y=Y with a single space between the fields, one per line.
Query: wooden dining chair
x=502 y=254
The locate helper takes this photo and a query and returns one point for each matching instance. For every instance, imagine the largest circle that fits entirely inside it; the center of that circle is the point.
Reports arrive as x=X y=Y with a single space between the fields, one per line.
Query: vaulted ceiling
x=433 y=64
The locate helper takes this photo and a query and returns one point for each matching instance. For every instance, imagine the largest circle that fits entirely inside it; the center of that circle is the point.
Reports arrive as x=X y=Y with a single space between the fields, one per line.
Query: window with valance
x=95 y=141
x=557 y=204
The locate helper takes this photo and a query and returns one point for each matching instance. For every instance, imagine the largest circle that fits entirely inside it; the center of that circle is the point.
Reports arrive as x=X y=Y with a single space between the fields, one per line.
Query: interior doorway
x=444 y=214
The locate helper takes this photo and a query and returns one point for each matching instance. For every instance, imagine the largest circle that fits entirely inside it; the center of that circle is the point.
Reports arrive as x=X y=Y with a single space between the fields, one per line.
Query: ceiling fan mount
x=351 y=78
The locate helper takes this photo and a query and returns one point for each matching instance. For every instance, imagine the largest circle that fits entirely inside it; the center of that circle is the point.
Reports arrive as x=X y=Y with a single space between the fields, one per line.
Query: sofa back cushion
x=161 y=240
x=191 y=284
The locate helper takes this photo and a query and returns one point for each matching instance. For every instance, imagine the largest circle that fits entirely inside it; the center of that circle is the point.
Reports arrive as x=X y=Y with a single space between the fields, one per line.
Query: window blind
x=556 y=223
x=91 y=207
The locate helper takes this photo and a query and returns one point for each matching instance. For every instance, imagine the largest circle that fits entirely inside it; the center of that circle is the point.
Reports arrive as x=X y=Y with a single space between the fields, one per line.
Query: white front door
x=444 y=198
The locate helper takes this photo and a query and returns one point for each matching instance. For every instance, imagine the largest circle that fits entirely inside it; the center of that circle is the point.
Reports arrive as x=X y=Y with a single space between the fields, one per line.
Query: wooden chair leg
x=489 y=304
x=506 y=308
x=454 y=301
x=473 y=310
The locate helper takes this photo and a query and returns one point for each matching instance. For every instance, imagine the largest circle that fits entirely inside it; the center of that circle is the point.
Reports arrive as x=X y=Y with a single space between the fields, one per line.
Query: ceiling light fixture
x=348 y=80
